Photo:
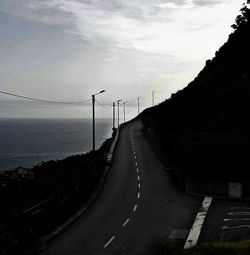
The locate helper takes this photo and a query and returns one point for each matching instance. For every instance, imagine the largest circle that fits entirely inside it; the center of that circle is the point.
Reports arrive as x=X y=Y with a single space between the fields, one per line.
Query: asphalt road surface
x=139 y=209
x=227 y=220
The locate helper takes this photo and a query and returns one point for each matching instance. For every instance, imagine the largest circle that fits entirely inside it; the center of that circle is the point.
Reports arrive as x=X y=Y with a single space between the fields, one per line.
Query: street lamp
x=93 y=112
x=118 y=112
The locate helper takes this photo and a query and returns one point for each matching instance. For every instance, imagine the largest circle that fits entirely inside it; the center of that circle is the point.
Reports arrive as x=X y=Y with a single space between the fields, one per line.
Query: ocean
x=27 y=142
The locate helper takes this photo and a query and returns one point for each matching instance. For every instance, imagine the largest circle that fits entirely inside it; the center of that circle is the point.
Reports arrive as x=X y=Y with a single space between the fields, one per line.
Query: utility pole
x=113 y=115
x=118 y=111
x=153 y=97
x=93 y=113
x=138 y=102
x=93 y=118
x=124 y=111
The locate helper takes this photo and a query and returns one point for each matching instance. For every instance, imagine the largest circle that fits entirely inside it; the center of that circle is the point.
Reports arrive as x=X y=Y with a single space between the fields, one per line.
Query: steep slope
x=206 y=126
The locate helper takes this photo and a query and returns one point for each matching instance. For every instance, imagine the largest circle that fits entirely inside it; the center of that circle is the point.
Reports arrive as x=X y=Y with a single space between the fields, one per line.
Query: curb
x=91 y=199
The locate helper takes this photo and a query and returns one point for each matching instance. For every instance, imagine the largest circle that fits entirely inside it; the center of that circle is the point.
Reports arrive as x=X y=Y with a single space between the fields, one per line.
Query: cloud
x=46 y=11
x=113 y=44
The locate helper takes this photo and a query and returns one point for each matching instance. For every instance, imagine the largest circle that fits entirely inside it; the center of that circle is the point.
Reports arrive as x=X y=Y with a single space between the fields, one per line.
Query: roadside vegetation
x=36 y=201
x=205 y=126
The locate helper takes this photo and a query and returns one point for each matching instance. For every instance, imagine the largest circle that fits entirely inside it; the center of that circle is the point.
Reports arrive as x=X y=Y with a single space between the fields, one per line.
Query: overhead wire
x=43 y=100
x=102 y=105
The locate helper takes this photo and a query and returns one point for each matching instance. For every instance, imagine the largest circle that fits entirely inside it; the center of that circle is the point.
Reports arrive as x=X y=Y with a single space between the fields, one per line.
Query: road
x=139 y=208
x=227 y=220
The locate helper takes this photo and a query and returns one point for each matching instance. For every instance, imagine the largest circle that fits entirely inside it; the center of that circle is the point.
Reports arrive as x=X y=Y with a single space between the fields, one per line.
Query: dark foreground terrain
x=36 y=201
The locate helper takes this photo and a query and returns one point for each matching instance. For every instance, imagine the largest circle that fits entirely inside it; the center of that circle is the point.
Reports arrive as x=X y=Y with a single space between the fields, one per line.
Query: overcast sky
x=66 y=50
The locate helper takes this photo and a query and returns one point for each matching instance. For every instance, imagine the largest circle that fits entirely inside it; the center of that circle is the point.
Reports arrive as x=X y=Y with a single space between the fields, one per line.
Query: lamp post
x=93 y=112
x=118 y=111
x=124 y=111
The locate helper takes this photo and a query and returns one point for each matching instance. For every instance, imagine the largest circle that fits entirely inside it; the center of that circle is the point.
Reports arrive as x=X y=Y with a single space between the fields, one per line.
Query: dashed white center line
x=138 y=194
x=107 y=244
x=125 y=223
x=135 y=208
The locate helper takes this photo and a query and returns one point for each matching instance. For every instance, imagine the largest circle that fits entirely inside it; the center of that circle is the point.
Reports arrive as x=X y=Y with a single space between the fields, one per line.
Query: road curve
x=138 y=208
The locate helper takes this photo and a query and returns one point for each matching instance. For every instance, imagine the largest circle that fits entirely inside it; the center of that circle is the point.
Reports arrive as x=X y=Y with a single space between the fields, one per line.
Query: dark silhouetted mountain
x=206 y=126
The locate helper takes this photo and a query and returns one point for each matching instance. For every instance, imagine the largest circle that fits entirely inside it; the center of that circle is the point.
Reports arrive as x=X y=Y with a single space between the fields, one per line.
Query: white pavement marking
x=125 y=223
x=239 y=219
x=136 y=163
x=138 y=195
x=236 y=227
x=135 y=208
x=138 y=177
x=107 y=244
x=134 y=152
x=239 y=208
x=239 y=213
x=198 y=223
x=135 y=157
x=137 y=169
x=139 y=185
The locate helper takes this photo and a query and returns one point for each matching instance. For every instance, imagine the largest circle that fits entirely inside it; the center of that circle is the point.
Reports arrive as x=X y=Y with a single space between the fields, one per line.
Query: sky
x=67 y=50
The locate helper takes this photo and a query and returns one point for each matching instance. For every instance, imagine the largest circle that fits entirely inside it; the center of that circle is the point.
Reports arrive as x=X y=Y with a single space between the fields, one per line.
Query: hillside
x=206 y=126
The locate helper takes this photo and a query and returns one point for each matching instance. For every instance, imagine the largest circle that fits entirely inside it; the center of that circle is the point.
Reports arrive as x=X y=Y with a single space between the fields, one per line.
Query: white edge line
x=238 y=219
x=239 y=208
x=125 y=223
x=107 y=244
x=236 y=227
x=239 y=213
x=198 y=223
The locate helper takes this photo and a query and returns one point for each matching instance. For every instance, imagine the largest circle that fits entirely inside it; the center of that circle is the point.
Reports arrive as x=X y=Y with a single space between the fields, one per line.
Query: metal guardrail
x=38 y=207
x=112 y=148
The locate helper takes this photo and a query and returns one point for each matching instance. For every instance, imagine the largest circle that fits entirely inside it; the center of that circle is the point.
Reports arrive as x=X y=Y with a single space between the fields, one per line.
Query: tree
x=244 y=17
